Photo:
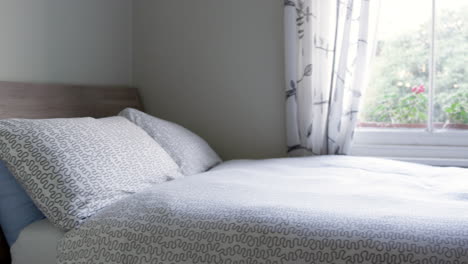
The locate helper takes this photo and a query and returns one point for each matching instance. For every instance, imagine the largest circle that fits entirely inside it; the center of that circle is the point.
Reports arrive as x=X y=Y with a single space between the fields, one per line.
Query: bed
x=330 y=209
x=41 y=100
x=37 y=243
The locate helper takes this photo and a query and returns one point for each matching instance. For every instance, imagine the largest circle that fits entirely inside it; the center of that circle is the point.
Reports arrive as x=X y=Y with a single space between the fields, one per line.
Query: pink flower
x=418 y=89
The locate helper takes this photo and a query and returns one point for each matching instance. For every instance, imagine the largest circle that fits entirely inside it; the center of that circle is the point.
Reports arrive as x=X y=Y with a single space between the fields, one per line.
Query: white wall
x=66 y=41
x=216 y=67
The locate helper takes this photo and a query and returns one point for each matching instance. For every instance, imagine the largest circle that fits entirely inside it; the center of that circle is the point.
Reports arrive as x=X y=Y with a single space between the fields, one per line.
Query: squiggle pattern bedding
x=301 y=210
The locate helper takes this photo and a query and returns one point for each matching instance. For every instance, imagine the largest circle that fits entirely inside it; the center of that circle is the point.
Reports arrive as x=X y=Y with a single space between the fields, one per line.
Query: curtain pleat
x=326 y=55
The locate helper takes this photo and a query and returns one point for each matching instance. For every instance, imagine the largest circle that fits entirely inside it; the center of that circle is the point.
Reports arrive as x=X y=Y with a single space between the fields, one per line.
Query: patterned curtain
x=326 y=51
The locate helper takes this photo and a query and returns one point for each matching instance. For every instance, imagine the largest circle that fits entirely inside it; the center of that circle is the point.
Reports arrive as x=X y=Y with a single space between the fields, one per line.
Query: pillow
x=16 y=208
x=189 y=151
x=72 y=168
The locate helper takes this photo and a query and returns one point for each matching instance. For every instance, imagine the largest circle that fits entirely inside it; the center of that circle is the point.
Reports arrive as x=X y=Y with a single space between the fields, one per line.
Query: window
x=416 y=103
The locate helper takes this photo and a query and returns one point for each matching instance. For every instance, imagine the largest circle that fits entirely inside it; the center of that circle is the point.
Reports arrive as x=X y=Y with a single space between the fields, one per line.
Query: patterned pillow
x=189 y=151
x=71 y=168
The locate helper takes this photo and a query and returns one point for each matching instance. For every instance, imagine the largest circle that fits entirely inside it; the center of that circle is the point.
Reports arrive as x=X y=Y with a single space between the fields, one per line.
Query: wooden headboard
x=32 y=100
x=29 y=100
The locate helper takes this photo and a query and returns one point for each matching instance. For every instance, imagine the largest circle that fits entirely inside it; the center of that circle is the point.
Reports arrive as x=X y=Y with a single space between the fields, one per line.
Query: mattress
x=37 y=244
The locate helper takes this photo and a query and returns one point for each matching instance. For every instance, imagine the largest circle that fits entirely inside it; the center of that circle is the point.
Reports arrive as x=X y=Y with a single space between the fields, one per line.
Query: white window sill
x=440 y=148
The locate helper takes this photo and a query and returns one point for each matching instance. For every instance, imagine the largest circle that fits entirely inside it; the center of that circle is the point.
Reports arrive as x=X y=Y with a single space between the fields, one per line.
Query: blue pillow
x=16 y=208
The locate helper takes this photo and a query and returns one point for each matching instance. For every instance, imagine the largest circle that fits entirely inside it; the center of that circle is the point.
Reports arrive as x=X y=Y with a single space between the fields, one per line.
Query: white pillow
x=71 y=168
x=188 y=150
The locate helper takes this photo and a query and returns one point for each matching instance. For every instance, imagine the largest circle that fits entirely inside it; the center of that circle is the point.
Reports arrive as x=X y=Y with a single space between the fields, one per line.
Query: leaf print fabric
x=326 y=51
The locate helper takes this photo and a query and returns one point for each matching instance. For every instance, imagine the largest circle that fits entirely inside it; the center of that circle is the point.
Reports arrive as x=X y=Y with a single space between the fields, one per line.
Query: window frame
x=441 y=148
x=429 y=146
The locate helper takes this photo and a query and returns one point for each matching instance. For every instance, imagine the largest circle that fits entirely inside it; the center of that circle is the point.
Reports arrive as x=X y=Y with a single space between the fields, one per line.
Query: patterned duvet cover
x=300 y=210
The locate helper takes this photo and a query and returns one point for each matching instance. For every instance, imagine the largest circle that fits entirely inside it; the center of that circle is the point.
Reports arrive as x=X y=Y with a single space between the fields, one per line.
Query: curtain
x=326 y=56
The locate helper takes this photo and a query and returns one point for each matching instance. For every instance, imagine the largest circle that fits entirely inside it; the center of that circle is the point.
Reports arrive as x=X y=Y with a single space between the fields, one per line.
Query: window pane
x=451 y=79
x=397 y=94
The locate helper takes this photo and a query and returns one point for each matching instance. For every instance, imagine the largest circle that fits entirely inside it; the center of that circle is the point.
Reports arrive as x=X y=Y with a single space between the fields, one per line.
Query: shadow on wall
x=84 y=42
x=216 y=67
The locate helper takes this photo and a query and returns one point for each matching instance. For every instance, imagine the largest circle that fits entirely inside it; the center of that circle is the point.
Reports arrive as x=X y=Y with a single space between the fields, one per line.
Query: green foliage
x=393 y=108
x=454 y=105
x=403 y=63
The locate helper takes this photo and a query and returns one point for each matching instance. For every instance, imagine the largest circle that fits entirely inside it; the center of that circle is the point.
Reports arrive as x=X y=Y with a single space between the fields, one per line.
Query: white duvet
x=330 y=209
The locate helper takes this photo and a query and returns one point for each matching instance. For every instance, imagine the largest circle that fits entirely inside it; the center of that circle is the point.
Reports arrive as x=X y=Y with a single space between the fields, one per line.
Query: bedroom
x=221 y=69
